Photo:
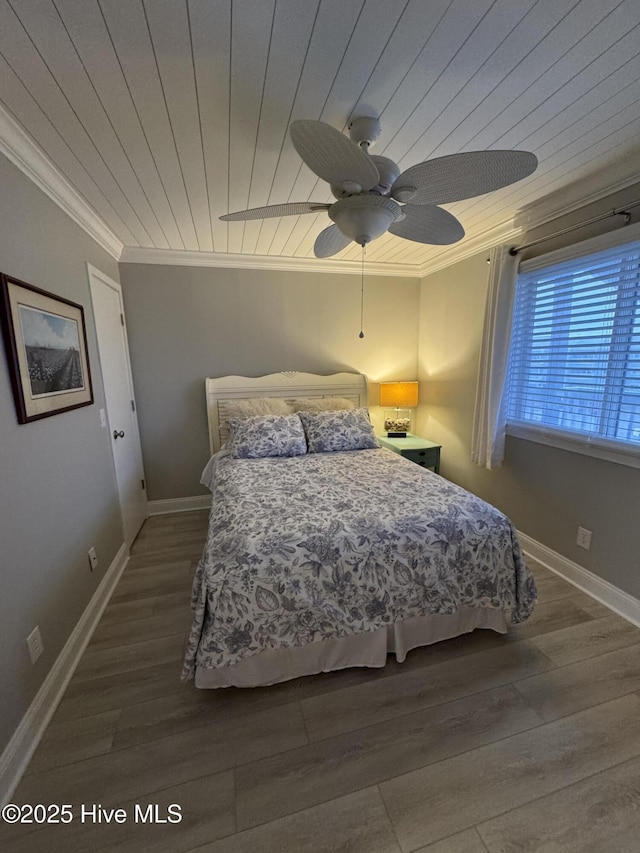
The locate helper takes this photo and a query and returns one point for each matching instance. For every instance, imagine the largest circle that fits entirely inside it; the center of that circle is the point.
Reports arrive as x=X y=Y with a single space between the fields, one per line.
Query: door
x=122 y=421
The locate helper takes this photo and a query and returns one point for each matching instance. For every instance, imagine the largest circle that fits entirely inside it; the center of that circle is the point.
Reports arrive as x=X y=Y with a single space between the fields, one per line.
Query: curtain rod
x=623 y=211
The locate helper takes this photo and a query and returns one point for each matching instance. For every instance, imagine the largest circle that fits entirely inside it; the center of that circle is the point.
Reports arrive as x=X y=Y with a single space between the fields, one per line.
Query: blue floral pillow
x=343 y=430
x=266 y=435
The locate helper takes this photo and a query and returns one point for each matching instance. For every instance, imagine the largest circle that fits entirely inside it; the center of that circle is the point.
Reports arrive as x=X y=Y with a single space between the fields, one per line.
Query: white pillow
x=321 y=404
x=248 y=408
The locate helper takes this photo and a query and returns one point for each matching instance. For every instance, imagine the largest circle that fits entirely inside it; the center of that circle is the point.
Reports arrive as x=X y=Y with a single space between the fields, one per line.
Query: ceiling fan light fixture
x=364 y=217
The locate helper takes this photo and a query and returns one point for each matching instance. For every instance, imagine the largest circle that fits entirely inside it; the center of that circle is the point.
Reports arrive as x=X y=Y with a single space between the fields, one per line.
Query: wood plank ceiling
x=165 y=114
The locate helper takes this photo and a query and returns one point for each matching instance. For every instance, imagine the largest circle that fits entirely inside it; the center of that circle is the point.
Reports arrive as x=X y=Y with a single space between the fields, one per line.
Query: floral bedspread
x=328 y=545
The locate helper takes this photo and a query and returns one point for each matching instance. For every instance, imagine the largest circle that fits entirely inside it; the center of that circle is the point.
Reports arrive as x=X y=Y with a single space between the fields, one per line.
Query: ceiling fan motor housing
x=364 y=131
x=388 y=171
x=364 y=217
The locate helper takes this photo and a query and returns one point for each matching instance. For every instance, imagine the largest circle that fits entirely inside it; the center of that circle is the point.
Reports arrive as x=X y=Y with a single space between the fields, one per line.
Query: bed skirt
x=370 y=649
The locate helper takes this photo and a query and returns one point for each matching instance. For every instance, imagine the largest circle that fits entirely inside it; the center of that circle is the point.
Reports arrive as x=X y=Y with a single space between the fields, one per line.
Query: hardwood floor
x=481 y=744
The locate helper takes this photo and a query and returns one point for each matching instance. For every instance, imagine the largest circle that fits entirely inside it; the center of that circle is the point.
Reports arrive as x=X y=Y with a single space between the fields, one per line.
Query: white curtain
x=489 y=420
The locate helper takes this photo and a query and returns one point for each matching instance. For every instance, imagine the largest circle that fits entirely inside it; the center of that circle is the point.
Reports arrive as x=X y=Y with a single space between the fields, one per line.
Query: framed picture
x=46 y=344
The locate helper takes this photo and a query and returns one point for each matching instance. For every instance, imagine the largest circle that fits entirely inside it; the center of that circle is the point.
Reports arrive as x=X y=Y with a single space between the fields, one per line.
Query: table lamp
x=398 y=398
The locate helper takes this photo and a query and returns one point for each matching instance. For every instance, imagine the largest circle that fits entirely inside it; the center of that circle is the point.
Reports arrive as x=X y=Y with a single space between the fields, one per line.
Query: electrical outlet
x=34 y=644
x=583 y=540
x=93 y=558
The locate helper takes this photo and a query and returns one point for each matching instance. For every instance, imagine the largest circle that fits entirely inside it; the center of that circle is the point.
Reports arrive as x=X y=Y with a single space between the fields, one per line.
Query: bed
x=331 y=551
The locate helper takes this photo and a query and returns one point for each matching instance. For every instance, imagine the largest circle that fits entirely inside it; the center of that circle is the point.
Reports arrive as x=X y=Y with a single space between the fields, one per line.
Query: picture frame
x=46 y=345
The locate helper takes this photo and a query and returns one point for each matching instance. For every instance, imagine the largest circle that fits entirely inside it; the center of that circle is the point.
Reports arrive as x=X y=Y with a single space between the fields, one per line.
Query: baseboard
x=18 y=752
x=606 y=593
x=179 y=504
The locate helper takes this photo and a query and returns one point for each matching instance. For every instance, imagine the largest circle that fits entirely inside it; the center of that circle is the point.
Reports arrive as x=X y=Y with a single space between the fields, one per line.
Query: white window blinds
x=574 y=362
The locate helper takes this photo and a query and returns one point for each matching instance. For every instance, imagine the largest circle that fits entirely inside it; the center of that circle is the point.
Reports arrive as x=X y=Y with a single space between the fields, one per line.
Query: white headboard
x=288 y=385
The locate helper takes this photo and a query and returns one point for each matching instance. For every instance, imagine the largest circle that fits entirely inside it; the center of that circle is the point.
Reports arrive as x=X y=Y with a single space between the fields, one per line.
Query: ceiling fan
x=373 y=196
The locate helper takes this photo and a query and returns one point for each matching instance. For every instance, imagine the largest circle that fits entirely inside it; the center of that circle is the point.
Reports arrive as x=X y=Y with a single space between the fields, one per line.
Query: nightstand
x=419 y=450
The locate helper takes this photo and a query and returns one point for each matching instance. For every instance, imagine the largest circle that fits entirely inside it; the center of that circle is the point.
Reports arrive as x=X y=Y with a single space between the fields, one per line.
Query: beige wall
x=187 y=323
x=547 y=492
x=57 y=484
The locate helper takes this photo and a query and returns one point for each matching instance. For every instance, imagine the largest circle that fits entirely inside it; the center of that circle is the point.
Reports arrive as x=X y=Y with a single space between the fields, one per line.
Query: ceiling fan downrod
x=361 y=335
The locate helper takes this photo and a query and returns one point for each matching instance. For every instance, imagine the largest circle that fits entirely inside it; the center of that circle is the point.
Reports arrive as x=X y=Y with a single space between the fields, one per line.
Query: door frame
x=96 y=277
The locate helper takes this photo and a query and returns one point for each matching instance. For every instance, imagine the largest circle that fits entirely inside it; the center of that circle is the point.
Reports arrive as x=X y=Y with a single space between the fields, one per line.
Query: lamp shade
x=364 y=217
x=399 y=394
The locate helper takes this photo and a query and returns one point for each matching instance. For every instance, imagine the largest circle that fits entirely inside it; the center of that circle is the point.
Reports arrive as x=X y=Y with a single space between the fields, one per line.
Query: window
x=574 y=364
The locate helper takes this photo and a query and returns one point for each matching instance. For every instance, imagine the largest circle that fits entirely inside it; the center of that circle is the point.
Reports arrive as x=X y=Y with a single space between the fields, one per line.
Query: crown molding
x=23 y=152
x=614 y=178
x=173 y=257
x=505 y=232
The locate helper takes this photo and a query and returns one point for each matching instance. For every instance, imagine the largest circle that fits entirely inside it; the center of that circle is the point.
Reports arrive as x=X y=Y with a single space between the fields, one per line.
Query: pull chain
x=361 y=335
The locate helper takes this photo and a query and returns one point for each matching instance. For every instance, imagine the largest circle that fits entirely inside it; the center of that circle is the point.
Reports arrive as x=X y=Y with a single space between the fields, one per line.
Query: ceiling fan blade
x=333 y=157
x=465 y=175
x=294 y=208
x=329 y=242
x=428 y=224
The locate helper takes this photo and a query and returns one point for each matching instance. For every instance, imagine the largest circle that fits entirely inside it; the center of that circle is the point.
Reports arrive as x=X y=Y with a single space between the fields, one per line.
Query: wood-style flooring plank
x=590 y=605
x=154 y=580
x=97 y=662
x=189 y=709
x=550 y=616
x=169 y=622
x=415 y=690
x=292 y=781
x=538 y=570
x=596 y=637
x=174 y=521
x=75 y=740
x=85 y=698
x=458 y=793
x=141 y=770
x=598 y=815
x=141 y=608
x=552 y=588
x=159 y=538
x=357 y=823
x=584 y=684
x=165 y=555
x=468 y=841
